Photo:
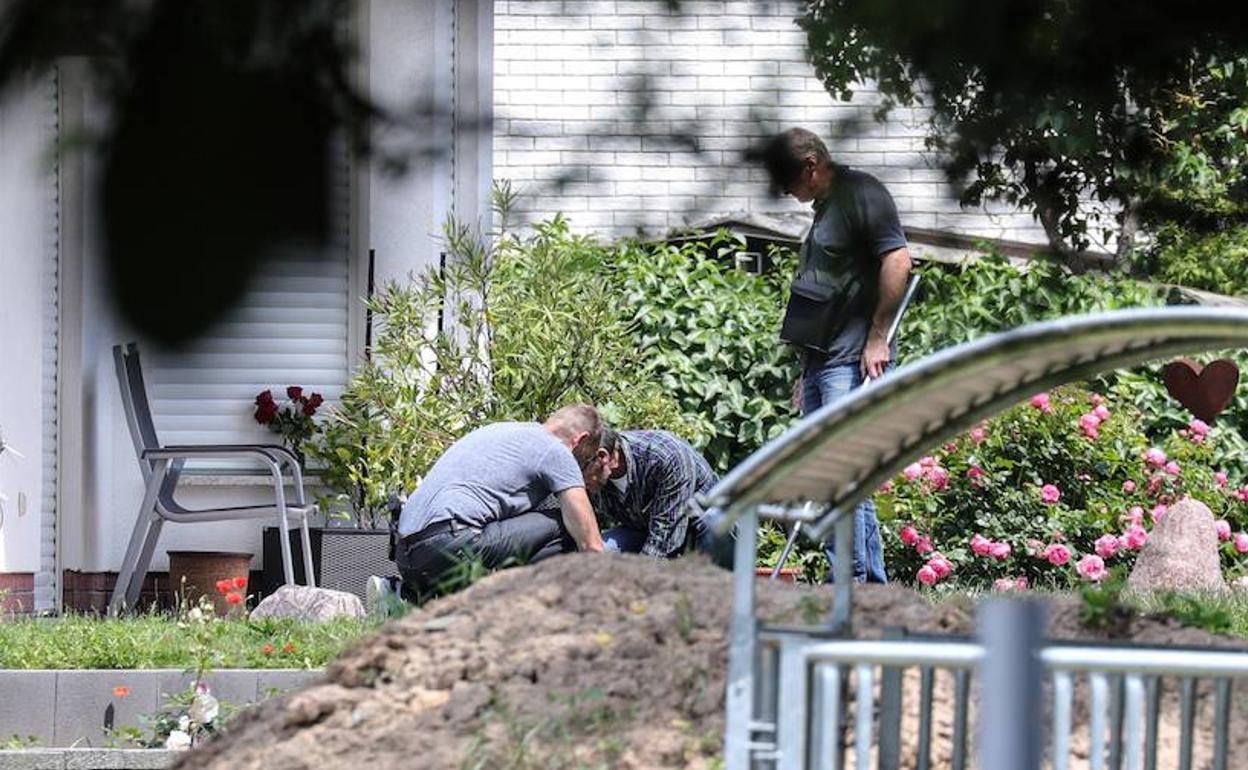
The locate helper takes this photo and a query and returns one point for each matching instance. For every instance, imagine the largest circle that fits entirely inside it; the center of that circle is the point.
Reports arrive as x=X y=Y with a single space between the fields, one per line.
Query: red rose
x=265 y=413
x=308 y=409
x=240 y=582
x=265 y=397
x=233 y=598
x=316 y=400
x=224 y=586
x=294 y=393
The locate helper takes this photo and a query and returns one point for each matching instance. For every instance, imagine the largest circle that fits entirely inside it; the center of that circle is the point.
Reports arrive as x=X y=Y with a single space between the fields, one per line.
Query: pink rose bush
x=1062 y=490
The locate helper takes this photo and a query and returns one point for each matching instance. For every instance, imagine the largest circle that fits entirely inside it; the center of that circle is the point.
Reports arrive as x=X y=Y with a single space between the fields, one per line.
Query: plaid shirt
x=664 y=473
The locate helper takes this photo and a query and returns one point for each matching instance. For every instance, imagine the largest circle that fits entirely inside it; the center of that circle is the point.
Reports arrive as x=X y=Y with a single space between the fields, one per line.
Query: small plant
x=19 y=742
x=1102 y=606
x=292 y=419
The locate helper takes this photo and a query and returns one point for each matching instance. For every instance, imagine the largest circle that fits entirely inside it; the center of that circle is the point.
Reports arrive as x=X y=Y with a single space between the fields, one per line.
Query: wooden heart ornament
x=1204 y=390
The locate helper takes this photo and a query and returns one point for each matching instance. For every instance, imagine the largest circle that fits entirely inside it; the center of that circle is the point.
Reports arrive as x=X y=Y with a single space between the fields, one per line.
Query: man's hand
x=578 y=519
x=875 y=356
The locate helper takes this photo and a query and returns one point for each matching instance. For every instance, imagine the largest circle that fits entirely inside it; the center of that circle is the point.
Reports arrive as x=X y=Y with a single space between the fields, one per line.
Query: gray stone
x=1181 y=553
x=118 y=759
x=309 y=604
x=277 y=682
x=28 y=704
x=32 y=759
x=83 y=699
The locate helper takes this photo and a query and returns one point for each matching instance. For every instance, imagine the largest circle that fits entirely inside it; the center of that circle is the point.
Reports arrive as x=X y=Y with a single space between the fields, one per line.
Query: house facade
x=626 y=115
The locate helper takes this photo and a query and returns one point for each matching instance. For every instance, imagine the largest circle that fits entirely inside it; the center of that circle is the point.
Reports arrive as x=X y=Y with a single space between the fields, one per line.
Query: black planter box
x=343 y=558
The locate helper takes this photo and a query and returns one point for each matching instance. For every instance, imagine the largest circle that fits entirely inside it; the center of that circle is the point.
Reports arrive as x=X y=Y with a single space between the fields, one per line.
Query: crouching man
x=647 y=481
x=479 y=500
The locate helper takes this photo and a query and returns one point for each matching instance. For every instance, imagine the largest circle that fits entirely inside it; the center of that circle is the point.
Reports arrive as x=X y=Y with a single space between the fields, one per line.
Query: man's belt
x=449 y=526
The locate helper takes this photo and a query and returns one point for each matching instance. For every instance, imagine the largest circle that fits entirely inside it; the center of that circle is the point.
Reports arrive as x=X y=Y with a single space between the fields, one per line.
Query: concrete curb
x=86 y=759
x=72 y=707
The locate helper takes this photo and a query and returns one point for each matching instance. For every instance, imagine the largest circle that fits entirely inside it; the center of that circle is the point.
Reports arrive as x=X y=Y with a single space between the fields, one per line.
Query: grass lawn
x=161 y=641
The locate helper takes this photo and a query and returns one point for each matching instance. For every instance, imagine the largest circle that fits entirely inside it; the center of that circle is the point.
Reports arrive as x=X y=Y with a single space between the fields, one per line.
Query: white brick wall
x=571 y=77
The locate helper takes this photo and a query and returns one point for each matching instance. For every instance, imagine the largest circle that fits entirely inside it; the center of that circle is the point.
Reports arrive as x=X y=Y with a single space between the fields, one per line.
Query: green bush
x=708 y=334
x=1216 y=261
x=510 y=332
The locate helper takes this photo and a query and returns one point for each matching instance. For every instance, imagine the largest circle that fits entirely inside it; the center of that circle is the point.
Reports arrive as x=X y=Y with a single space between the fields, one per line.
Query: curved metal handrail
x=841 y=453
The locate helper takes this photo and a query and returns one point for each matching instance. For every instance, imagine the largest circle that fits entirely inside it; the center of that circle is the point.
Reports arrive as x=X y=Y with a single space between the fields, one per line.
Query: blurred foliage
x=1214 y=261
x=1051 y=103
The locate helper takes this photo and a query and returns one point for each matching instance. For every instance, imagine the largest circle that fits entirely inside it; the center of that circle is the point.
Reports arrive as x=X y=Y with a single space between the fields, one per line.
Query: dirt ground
x=580 y=662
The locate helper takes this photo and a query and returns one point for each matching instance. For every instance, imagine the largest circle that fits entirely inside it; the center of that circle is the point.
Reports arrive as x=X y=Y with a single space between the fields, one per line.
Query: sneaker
x=381 y=595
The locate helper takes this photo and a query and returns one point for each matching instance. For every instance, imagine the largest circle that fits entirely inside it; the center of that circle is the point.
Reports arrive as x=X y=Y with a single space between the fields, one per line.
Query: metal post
x=741 y=647
x=1012 y=690
x=842 y=606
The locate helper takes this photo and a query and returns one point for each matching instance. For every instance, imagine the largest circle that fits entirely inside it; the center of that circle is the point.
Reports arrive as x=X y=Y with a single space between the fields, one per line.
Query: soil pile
x=577 y=662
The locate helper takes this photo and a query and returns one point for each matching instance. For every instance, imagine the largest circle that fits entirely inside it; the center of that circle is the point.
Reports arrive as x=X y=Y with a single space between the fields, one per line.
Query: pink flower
x=950 y=446
x=1173 y=468
x=979 y=434
x=927 y=462
x=1021 y=583
x=1128 y=486
x=1097 y=399
x=912 y=471
x=885 y=488
x=1041 y=402
x=942 y=566
x=1242 y=494
x=980 y=545
x=927 y=575
x=975 y=472
x=1155 y=457
x=1134 y=538
x=1198 y=427
x=1050 y=494
x=1136 y=515
x=1223 y=528
x=1220 y=478
x=1089 y=422
x=909 y=535
x=1158 y=512
x=1056 y=554
x=923 y=544
x=938 y=477
x=1003 y=584
x=1102 y=412
x=1107 y=546
x=1092 y=567
x=1241 y=543
x=999 y=550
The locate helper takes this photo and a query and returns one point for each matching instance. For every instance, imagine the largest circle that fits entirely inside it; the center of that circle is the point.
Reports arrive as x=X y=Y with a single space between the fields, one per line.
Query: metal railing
x=814 y=693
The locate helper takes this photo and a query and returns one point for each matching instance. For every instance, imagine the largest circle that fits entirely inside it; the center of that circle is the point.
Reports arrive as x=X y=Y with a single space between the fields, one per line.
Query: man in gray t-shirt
x=852 y=274
x=479 y=500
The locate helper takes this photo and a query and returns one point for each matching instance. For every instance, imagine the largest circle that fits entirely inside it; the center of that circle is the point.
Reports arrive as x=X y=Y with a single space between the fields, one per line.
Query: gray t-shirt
x=494 y=472
x=854 y=226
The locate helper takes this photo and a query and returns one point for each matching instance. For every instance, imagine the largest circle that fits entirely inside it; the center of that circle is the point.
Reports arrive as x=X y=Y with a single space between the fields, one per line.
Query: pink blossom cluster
x=1050 y=494
x=911 y=537
x=1006 y=584
x=928 y=470
x=1092 y=567
x=1196 y=431
x=937 y=569
x=997 y=549
x=1090 y=422
x=1042 y=402
x=1056 y=554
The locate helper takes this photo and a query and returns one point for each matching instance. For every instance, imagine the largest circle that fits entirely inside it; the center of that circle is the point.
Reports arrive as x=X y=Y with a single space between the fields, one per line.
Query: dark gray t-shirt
x=854 y=226
x=494 y=472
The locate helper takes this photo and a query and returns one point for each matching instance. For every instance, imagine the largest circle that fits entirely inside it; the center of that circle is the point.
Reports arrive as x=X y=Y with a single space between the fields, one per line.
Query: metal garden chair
x=161 y=467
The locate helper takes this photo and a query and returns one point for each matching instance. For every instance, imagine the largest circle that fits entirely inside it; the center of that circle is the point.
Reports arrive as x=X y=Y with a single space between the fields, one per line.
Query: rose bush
x=1052 y=493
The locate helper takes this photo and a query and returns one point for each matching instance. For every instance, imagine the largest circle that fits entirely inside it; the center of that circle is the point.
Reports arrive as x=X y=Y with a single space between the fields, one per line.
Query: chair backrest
x=134 y=399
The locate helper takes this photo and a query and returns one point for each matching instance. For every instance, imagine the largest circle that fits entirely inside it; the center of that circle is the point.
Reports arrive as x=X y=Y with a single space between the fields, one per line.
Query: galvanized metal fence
x=831 y=704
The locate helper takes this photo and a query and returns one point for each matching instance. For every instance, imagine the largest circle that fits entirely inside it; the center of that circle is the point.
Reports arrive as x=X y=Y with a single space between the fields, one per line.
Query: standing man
x=479 y=501
x=646 y=481
x=852 y=275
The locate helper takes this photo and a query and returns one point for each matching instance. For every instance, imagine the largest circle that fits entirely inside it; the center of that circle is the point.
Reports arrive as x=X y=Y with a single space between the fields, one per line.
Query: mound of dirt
x=580 y=661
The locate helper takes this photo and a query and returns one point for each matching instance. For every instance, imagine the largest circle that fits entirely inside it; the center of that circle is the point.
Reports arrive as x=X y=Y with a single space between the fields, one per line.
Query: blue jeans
x=718 y=547
x=823 y=384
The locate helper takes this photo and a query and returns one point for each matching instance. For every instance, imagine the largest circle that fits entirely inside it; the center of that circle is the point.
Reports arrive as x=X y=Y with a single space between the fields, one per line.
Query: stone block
x=32 y=759
x=86 y=701
x=118 y=759
x=279 y=681
x=28 y=704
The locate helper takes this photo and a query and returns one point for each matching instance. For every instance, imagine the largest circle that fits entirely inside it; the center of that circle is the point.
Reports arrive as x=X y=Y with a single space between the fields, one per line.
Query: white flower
x=204 y=709
x=195 y=614
x=184 y=722
x=178 y=740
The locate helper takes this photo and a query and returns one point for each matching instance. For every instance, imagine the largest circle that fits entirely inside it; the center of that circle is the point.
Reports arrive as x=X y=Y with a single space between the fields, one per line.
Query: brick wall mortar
x=569 y=75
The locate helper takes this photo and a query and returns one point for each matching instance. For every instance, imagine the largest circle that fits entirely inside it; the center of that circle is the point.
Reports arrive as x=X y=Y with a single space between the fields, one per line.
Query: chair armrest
x=265 y=454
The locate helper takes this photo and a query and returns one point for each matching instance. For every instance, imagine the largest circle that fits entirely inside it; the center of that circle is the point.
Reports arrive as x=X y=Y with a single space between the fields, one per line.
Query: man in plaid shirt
x=646 y=482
